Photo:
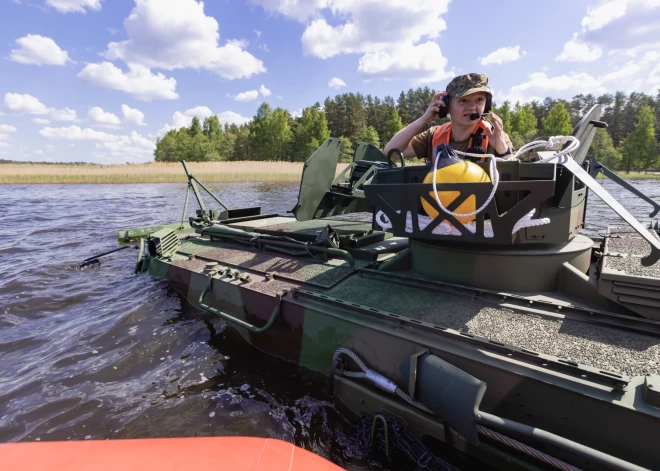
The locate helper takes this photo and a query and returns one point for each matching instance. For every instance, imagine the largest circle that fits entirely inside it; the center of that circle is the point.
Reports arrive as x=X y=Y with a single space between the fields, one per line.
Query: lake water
x=101 y=353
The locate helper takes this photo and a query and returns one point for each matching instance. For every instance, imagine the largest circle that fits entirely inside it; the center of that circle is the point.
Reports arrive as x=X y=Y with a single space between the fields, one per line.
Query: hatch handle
x=234 y=320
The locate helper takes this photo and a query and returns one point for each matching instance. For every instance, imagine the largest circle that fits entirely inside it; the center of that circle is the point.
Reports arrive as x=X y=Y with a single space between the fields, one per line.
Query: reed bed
x=172 y=172
x=154 y=172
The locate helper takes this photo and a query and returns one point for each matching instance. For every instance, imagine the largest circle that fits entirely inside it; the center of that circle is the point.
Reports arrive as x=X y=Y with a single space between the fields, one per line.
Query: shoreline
x=154 y=172
x=172 y=172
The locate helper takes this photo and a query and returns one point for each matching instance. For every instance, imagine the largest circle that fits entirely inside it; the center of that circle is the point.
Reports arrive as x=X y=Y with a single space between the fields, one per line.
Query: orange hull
x=163 y=454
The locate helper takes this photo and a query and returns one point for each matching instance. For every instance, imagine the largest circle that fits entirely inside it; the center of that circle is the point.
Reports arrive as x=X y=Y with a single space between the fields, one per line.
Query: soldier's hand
x=434 y=107
x=496 y=135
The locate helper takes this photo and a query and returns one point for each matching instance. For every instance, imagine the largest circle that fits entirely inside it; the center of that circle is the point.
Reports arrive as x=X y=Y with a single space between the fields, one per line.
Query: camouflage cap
x=468 y=84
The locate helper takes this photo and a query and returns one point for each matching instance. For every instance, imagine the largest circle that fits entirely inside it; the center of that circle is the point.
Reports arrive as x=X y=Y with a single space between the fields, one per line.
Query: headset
x=443 y=111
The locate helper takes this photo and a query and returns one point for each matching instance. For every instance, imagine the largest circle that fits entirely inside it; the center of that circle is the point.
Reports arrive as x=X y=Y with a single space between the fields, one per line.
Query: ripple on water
x=102 y=353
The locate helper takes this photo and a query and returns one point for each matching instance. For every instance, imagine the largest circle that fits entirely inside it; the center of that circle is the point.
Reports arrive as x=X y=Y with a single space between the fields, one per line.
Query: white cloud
x=265 y=47
x=74 y=6
x=297 y=113
x=7 y=128
x=38 y=50
x=133 y=115
x=603 y=14
x=75 y=133
x=4 y=144
x=180 y=119
x=50 y=148
x=98 y=116
x=41 y=121
x=38 y=152
x=576 y=51
x=247 y=96
x=621 y=24
x=300 y=10
x=132 y=148
x=374 y=25
x=138 y=81
x=381 y=31
x=176 y=34
x=279 y=97
x=24 y=103
x=112 y=147
x=257 y=32
x=336 y=82
x=541 y=85
x=65 y=114
x=229 y=117
x=4 y=137
x=264 y=91
x=422 y=64
x=502 y=55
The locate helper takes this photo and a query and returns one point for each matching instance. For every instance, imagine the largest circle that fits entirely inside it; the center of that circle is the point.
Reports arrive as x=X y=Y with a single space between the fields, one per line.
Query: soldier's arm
x=401 y=140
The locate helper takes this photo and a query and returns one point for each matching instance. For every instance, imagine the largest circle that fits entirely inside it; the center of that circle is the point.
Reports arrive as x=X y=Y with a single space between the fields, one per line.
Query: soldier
x=465 y=95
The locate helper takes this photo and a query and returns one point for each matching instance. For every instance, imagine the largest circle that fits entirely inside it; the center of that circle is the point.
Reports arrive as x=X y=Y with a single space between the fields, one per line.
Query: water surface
x=100 y=353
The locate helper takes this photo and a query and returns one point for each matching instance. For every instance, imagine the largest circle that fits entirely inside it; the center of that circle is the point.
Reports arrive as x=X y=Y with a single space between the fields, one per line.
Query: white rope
x=495 y=176
x=445 y=228
x=553 y=143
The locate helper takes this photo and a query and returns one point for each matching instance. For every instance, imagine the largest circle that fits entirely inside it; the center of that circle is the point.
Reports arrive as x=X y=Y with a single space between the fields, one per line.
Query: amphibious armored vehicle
x=513 y=340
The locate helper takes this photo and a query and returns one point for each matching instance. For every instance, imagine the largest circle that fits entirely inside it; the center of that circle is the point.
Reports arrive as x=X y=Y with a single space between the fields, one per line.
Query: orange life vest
x=442 y=134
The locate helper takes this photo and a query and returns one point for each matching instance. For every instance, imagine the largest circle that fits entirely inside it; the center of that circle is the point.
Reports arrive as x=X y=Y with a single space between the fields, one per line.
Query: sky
x=100 y=80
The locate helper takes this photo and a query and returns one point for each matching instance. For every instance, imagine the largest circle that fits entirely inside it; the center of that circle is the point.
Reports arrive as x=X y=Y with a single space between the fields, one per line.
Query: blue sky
x=100 y=80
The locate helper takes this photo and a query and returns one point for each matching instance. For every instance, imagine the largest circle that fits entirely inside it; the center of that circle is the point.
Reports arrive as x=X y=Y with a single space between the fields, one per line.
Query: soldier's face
x=461 y=108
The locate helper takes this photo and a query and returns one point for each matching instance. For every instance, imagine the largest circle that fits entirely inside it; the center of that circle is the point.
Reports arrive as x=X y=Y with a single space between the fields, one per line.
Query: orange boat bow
x=162 y=454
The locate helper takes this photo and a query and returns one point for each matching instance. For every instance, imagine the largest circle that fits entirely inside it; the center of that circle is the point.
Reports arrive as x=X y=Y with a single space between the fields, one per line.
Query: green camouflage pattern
x=467 y=84
x=567 y=359
x=373 y=316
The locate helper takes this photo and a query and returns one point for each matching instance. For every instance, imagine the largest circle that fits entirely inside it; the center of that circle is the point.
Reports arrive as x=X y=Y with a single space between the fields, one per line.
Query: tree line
x=631 y=140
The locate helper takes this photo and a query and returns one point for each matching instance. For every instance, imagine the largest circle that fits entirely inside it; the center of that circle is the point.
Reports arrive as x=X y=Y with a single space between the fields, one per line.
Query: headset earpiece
x=443 y=111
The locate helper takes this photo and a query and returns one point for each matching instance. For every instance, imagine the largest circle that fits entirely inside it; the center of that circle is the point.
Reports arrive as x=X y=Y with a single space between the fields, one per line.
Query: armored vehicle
x=512 y=340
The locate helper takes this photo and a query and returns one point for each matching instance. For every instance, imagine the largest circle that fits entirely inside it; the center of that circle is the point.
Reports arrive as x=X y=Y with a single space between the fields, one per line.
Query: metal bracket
x=608 y=199
x=412 y=377
x=373 y=431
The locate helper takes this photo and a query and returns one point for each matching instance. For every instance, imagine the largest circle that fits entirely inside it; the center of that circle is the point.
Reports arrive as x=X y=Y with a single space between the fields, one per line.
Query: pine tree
x=558 y=121
x=369 y=134
x=195 y=127
x=640 y=149
x=311 y=131
x=523 y=125
x=602 y=149
x=392 y=126
x=504 y=112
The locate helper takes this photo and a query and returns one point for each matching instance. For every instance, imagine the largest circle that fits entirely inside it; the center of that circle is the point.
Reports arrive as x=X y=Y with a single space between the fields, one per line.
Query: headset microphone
x=474 y=116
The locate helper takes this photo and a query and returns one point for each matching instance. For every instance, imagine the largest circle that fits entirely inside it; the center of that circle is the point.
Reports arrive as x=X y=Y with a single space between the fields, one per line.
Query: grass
x=152 y=172
x=639 y=175
x=244 y=171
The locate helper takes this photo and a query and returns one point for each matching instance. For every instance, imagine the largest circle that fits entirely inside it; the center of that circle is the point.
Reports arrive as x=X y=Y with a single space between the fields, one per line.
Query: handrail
x=389 y=158
x=233 y=319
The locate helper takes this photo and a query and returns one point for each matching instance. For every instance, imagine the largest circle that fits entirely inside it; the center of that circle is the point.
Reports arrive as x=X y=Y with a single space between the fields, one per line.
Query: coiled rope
x=389 y=386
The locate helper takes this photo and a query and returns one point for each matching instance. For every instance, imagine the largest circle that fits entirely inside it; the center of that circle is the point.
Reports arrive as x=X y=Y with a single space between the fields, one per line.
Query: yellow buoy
x=453 y=170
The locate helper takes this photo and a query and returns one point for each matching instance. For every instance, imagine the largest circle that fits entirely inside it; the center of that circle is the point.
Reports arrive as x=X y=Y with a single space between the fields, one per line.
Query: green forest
x=631 y=141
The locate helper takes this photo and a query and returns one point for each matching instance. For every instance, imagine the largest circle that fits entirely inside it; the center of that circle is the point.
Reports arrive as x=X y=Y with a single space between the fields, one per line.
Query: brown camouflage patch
x=468 y=84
